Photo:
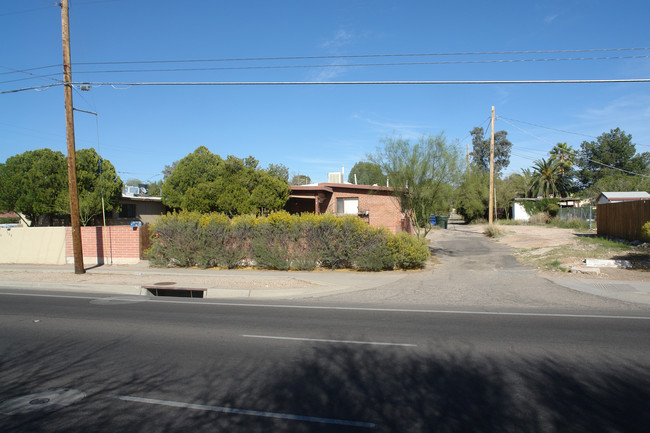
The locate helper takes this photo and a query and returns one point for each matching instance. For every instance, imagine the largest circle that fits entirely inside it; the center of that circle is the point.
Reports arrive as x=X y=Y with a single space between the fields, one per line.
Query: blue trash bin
x=432 y=220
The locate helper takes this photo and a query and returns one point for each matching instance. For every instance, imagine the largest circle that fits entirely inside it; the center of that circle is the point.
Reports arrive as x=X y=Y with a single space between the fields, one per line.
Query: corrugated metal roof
x=623 y=195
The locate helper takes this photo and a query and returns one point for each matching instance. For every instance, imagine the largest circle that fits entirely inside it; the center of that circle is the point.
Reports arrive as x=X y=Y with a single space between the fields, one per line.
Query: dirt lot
x=557 y=251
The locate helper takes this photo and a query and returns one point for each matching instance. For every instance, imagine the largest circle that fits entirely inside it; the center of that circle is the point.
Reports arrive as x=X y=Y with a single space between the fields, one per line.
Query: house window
x=348 y=206
x=128 y=211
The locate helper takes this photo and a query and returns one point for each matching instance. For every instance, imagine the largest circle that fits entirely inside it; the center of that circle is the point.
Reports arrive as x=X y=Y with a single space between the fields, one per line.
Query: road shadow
x=415 y=392
x=339 y=387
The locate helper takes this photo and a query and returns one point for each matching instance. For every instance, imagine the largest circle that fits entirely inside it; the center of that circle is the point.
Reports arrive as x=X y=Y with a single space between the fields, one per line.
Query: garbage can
x=432 y=220
x=442 y=220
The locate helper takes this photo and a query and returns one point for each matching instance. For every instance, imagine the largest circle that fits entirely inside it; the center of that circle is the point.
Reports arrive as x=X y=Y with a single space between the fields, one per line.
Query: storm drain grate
x=159 y=289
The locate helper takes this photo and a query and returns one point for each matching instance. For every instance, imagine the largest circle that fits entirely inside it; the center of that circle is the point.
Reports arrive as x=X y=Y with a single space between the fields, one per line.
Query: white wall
x=519 y=213
x=33 y=245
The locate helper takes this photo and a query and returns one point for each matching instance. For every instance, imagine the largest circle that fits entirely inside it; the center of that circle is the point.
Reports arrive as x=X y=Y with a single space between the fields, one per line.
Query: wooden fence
x=623 y=220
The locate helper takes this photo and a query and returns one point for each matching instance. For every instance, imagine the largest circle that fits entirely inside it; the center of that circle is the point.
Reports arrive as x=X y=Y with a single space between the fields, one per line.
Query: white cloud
x=405 y=130
x=550 y=18
x=340 y=38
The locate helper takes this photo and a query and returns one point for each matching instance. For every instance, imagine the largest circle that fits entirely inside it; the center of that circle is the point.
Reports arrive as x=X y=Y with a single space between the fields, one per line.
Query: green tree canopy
x=472 y=198
x=204 y=182
x=481 y=150
x=548 y=180
x=613 y=153
x=96 y=179
x=31 y=183
x=423 y=174
x=35 y=183
x=368 y=173
x=300 y=179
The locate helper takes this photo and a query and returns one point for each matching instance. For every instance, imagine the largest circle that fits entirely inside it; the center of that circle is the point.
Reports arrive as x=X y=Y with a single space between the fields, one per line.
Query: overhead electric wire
x=334 y=83
x=356 y=65
x=560 y=130
x=588 y=159
x=360 y=56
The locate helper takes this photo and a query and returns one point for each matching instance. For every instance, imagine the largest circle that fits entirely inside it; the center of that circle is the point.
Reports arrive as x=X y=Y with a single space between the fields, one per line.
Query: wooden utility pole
x=69 y=127
x=468 y=157
x=491 y=198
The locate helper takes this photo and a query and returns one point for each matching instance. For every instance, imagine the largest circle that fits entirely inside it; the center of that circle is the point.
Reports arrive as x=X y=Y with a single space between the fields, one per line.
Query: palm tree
x=565 y=156
x=547 y=179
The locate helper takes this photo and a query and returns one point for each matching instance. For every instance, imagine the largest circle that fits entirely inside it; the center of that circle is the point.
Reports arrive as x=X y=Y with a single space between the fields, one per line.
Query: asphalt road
x=151 y=365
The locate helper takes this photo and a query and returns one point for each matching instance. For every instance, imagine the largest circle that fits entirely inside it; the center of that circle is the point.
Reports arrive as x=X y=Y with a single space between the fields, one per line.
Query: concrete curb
x=637 y=292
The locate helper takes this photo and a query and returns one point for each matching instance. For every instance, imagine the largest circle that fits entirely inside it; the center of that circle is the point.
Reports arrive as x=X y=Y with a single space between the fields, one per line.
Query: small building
x=377 y=205
x=519 y=211
x=616 y=197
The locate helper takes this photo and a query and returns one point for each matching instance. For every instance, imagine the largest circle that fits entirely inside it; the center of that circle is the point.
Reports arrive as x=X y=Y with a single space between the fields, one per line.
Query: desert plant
x=540 y=218
x=408 y=251
x=645 y=231
x=493 y=231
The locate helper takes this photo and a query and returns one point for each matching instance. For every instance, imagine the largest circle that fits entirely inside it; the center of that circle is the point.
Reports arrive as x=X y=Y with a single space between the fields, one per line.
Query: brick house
x=377 y=205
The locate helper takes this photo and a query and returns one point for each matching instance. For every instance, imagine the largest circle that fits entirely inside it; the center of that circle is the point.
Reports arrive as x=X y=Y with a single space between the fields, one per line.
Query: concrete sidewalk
x=241 y=283
x=637 y=292
x=258 y=284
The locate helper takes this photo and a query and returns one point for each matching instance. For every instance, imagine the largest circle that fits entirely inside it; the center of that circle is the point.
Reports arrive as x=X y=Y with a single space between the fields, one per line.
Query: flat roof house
x=377 y=205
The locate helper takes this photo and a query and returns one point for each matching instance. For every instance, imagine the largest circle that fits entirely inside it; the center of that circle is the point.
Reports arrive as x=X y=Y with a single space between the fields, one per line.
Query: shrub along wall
x=281 y=241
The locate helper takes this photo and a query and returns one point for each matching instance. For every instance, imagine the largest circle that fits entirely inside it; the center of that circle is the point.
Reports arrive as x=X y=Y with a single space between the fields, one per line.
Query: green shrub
x=9 y=220
x=176 y=240
x=645 y=231
x=373 y=252
x=409 y=252
x=280 y=241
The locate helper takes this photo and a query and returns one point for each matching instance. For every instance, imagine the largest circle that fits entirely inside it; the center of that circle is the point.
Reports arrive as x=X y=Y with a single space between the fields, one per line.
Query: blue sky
x=317 y=129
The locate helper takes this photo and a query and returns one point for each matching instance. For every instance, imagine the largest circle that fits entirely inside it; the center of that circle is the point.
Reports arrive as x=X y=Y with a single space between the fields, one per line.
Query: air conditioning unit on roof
x=335 y=177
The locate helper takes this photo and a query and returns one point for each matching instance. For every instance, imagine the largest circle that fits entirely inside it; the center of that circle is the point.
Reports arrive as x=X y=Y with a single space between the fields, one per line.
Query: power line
x=333 y=83
x=356 y=65
x=559 y=130
x=588 y=159
x=359 y=56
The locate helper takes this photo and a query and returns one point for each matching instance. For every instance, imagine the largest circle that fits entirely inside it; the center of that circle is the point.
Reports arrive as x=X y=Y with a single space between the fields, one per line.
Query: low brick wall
x=112 y=245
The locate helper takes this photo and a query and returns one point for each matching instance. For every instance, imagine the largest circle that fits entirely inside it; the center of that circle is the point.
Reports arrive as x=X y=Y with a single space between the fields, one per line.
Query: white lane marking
x=245 y=411
x=205 y=302
x=322 y=340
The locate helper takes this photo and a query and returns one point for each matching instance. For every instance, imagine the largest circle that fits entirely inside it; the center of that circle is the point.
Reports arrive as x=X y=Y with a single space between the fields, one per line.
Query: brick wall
x=383 y=210
x=106 y=245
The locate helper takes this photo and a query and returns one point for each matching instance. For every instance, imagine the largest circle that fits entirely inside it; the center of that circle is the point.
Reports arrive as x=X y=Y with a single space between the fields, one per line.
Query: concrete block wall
x=113 y=245
x=32 y=245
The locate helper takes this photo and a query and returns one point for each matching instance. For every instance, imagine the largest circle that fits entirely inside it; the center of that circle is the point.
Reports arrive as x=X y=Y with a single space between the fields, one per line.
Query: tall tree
x=422 y=173
x=31 y=183
x=205 y=182
x=613 y=153
x=547 y=179
x=367 y=173
x=300 y=179
x=96 y=180
x=279 y=171
x=481 y=150
x=472 y=195
x=198 y=167
x=564 y=156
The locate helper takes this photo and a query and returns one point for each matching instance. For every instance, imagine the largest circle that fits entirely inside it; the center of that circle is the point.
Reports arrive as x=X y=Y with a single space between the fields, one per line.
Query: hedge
x=281 y=241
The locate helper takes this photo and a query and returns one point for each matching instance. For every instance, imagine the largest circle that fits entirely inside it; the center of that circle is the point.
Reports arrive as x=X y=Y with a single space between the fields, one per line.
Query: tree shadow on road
x=347 y=388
